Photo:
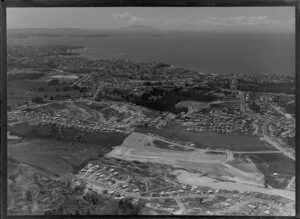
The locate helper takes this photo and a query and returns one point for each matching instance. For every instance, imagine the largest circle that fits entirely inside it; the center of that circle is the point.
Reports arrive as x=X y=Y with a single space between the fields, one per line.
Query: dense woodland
x=94 y=204
x=165 y=99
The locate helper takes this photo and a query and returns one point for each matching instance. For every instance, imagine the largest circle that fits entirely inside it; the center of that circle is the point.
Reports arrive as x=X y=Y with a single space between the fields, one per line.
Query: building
x=233 y=84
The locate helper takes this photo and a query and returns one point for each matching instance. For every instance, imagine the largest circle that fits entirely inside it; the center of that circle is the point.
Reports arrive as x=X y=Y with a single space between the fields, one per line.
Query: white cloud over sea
x=127 y=18
x=198 y=22
x=240 y=20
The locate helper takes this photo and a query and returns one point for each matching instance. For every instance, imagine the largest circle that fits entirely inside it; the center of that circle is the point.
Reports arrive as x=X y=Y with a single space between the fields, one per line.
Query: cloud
x=195 y=22
x=127 y=18
x=240 y=21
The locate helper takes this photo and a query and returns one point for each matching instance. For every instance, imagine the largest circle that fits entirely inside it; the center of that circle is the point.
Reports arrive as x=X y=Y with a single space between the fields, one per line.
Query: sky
x=185 y=18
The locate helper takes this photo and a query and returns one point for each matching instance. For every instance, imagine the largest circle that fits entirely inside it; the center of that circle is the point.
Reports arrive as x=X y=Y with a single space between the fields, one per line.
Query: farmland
x=20 y=91
x=52 y=156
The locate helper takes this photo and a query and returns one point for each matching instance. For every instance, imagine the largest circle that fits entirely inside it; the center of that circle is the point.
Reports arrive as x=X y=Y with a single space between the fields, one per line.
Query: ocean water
x=213 y=52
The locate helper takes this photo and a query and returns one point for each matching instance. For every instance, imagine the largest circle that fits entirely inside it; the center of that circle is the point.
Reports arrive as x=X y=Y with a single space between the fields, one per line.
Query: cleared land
x=168 y=146
x=213 y=141
x=64 y=77
x=141 y=147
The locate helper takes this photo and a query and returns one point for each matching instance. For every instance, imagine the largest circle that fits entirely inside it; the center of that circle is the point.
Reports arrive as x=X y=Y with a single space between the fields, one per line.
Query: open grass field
x=19 y=91
x=56 y=157
x=212 y=141
x=103 y=138
x=274 y=163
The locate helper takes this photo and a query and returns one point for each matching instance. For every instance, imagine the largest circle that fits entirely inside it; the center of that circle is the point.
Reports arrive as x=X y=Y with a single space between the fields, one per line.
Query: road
x=96 y=93
x=267 y=122
x=291 y=183
x=81 y=80
x=263 y=93
x=154 y=190
x=224 y=101
x=277 y=146
x=180 y=205
x=242 y=101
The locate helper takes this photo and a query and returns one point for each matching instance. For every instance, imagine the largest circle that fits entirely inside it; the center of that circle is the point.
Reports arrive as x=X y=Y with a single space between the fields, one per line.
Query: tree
x=36 y=179
x=51 y=98
x=255 y=107
x=37 y=100
x=41 y=89
x=28 y=195
x=162 y=65
x=126 y=207
x=82 y=89
x=266 y=183
x=58 y=97
x=88 y=212
x=53 y=82
x=60 y=210
x=200 y=200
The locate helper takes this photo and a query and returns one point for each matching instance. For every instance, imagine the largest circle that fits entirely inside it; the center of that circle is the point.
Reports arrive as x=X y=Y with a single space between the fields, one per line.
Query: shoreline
x=95 y=57
x=80 y=52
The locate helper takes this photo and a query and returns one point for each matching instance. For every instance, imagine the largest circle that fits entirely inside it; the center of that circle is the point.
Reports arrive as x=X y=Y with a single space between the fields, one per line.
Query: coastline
x=81 y=52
